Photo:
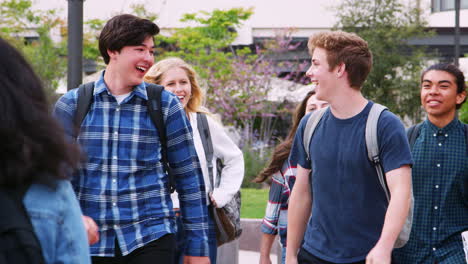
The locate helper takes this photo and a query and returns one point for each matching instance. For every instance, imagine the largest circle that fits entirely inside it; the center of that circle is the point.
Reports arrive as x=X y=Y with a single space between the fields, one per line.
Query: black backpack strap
x=412 y=133
x=205 y=135
x=466 y=137
x=15 y=220
x=85 y=98
x=154 y=107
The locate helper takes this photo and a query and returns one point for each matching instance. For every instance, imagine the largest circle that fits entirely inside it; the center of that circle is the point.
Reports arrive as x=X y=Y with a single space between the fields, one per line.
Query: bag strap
x=154 y=107
x=85 y=99
x=466 y=137
x=312 y=123
x=372 y=144
x=205 y=135
x=14 y=214
x=412 y=133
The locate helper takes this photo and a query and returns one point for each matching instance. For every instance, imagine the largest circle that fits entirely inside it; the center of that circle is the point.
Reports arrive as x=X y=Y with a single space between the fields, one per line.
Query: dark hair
x=281 y=152
x=33 y=147
x=454 y=71
x=347 y=48
x=124 y=30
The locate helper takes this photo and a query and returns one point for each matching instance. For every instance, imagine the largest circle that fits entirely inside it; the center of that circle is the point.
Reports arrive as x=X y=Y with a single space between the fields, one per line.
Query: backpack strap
x=412 y=133
x=312 y=123
x=466 y=137
x=372 y=144
x=14 y=219
x=205 y=135
x=154 y=107
x=85 y=98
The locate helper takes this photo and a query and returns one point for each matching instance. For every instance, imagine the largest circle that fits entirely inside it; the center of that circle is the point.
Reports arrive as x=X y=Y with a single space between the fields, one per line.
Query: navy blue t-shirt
x=349 y=204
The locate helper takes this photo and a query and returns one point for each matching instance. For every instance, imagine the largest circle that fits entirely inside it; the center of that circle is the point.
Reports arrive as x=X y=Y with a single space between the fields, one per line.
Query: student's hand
x=291 y=260
x=213 y=202
x=196 y=260
x=379 y=255
x=91 y=229
x=265 y=260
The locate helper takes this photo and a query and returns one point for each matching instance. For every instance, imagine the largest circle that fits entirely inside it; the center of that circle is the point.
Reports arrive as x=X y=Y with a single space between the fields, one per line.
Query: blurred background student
x=34 y=156
x=179 y=78
x=282 y=171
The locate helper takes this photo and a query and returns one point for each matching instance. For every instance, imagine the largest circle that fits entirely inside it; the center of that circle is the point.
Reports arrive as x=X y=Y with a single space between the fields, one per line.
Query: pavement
x=252 y=257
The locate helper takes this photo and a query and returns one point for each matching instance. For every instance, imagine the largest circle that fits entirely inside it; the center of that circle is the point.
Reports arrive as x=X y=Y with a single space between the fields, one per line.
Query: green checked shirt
x=440 y=186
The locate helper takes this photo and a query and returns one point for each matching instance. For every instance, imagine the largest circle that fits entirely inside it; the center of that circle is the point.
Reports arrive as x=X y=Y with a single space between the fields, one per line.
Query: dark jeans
x=304 y=257
x=161 y=251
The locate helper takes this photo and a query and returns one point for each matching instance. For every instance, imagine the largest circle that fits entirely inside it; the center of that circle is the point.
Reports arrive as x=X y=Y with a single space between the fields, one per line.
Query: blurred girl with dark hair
x=36 y=157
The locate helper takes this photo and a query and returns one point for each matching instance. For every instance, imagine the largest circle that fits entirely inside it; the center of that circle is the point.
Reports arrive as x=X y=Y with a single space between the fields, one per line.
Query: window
x=446 y=5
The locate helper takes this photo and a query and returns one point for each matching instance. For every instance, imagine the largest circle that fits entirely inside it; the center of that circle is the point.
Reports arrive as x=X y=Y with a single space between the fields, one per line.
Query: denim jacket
x=56 y=218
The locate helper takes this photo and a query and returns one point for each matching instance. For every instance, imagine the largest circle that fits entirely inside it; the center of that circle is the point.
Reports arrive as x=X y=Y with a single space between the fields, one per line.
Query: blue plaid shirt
x=440 y=186
x=122 y=185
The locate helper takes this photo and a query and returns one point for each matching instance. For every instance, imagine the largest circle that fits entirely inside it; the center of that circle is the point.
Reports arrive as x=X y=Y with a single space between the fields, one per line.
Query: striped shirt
x=440 y=186
x=122 y=185
x=276 y=213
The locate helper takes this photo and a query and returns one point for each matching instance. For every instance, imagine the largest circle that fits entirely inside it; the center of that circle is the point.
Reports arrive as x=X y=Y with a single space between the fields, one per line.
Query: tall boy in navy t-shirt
x=351 y=220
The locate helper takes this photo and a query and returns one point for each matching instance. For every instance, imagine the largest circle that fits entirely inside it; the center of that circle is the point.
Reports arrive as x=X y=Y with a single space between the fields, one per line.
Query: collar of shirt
x=100 y=86
x=445 y=130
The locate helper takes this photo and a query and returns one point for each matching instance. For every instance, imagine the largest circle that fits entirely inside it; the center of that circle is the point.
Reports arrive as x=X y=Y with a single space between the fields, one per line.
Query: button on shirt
x=122 y=185
x=440 y=186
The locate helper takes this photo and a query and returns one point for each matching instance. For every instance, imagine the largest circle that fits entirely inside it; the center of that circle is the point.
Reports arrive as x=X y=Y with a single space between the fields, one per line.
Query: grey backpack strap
x=373 y=144
x=312 y=123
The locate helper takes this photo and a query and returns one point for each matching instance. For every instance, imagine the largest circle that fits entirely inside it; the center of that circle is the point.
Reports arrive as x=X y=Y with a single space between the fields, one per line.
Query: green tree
x=387 y=25
x=18 y=19
x=463 y=112
x=237 y=80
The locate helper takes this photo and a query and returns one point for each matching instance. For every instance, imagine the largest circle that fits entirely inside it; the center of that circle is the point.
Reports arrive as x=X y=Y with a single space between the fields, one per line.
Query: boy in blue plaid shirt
x=122 y=185
x=440 y=173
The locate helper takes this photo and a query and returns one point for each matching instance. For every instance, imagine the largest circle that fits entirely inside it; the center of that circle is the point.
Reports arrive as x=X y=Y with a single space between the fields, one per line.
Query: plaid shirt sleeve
x=272 y=212
x=188 y=178
x=64 y=111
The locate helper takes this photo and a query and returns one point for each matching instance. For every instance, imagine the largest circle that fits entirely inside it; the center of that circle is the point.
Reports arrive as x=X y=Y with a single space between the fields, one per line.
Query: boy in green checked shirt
x=440 y=172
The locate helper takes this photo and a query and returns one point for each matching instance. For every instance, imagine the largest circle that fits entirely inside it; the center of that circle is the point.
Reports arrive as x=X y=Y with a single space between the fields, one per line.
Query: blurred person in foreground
x=35 y=156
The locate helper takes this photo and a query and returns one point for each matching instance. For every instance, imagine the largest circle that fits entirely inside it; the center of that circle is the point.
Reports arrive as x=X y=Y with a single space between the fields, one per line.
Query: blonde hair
x=156 y=73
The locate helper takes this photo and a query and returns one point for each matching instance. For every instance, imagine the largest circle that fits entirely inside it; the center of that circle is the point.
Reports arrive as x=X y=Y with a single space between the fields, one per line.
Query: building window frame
x=447 y=5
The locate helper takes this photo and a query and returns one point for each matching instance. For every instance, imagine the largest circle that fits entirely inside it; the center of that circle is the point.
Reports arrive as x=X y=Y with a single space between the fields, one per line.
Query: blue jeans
x=283 y=255
x=180 y=237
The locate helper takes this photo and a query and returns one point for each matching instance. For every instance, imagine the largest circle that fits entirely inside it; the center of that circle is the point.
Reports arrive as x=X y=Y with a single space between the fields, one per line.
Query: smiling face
x=320 y=74
x=439 y=95
x=132 y=62
x=177 y=82
x=314 y=104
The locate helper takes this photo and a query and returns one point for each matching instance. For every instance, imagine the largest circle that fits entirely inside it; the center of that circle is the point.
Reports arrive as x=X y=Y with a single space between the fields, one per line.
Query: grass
x=253 y=202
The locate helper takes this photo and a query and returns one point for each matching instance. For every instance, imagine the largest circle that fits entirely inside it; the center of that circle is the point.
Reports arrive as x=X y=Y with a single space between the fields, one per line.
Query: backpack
x=227 y=218
x=373 y=155
x=85 y=98
x=413 y=133
x=18 y=242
